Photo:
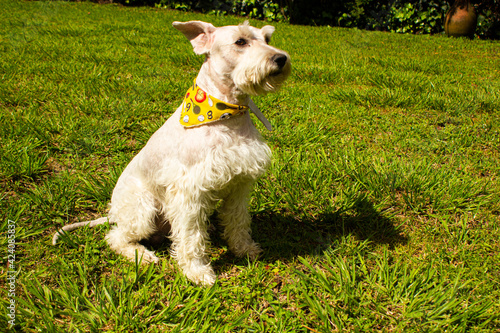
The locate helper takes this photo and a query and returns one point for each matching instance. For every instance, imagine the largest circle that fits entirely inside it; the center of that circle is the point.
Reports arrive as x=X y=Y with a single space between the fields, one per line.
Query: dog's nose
x=280 y=60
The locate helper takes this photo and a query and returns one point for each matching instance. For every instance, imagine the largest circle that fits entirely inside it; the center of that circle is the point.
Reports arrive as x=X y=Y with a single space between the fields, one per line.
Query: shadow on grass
x=286 y=236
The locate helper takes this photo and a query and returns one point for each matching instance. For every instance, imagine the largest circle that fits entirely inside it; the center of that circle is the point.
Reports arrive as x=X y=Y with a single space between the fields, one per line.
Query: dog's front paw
x=202 y=275
x=208 y=279
x=252 y=250
x=198 y=270
x=149 y=257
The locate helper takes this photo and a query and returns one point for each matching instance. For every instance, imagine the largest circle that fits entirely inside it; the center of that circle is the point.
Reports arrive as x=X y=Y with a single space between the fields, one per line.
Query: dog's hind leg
x=133 y=209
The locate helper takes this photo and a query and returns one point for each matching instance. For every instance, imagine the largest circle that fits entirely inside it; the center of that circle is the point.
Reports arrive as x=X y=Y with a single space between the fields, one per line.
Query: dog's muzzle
x=280 y=61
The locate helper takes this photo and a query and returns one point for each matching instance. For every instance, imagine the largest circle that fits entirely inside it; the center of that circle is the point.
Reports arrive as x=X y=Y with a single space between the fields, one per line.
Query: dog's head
x=241 y=53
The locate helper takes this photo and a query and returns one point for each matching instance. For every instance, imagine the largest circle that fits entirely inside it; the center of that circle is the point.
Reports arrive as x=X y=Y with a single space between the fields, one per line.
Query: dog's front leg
x=236 y=221
x=188 y=217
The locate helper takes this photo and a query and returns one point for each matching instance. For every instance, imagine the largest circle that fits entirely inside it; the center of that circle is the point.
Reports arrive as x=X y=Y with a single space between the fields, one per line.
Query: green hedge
x=385 y=15
x=270 y=10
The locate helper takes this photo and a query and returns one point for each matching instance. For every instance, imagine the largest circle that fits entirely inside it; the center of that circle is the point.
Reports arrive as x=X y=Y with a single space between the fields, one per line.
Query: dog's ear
x=199 y=33
x=267 y=32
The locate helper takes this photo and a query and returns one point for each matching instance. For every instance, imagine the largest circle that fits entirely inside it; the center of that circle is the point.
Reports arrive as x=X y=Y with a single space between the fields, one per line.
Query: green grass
x=380 y=211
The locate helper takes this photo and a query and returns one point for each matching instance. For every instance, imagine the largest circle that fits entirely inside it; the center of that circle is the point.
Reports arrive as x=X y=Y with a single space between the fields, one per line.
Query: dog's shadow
x=284 y=236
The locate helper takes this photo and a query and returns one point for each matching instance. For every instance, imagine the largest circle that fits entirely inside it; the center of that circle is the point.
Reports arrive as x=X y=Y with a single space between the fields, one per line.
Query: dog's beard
x=261 y=79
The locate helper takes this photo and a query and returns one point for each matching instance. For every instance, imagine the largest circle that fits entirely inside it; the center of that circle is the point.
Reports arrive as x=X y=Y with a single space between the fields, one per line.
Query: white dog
x=207 y=151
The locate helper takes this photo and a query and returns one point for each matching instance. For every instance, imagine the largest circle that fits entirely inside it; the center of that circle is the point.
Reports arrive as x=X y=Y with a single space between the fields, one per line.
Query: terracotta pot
x=461 y=20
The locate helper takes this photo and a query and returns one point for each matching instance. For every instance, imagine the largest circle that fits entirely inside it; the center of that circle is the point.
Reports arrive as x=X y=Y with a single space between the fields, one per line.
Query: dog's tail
x=71 y=227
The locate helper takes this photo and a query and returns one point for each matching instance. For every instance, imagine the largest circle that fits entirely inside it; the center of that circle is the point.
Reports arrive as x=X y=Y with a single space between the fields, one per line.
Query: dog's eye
x=241 y=42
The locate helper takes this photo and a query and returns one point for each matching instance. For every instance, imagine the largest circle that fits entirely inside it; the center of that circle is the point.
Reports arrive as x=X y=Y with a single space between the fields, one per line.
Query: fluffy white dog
x=207 y=151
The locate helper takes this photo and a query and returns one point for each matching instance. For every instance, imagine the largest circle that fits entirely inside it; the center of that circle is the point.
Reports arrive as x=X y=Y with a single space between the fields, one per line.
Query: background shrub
x=416 y=16
x=396 y=16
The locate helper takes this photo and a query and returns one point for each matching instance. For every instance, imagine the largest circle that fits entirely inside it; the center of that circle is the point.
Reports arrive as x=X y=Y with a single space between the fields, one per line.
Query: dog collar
x=200 y=108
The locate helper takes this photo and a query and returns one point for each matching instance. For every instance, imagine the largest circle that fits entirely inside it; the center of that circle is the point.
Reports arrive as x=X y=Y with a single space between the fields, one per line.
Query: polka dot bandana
x=199 y=108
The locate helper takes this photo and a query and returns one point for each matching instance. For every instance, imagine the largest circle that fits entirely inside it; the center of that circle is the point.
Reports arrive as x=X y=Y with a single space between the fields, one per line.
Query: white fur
x=181 y=173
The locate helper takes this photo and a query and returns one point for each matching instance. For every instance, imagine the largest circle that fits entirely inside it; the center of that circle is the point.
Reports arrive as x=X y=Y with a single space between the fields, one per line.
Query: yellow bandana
x=200 y=108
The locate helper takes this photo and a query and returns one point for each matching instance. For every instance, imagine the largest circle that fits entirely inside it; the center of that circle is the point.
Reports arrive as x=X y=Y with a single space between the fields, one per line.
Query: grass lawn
x=380 y=212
